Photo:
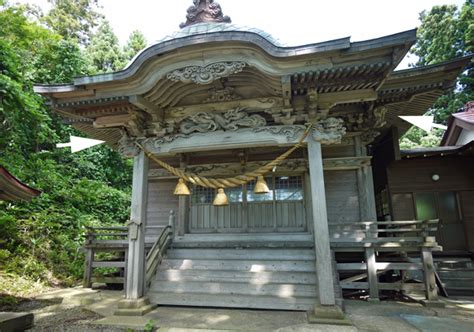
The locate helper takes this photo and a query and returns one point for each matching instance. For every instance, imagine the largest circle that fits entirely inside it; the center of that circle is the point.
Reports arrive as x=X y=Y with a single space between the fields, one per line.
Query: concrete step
x=449 y=273
x=239 y=254
x=232 y=301
x=255 y=278
x=235 y=288
x=240 y=265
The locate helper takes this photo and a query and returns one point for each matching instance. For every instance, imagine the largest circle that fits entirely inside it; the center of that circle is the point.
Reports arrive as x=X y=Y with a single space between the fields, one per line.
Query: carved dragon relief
x=206 y=74
x=232 y=120
x=290 y=132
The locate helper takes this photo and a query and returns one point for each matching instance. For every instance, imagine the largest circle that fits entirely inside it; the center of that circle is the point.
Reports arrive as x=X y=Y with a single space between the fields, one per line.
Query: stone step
x=256 y=278
x=240 y=265
x=232 y=301
x=232 y=288
x=239 y=254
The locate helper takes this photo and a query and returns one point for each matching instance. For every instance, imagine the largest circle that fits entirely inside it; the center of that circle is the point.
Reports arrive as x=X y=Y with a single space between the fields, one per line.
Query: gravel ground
x=52 y=315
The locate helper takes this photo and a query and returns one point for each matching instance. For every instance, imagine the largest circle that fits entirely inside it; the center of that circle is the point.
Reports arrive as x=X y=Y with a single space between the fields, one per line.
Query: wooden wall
x=409 y=176
x=160 y=201
x=342 y=196
x=341 y=188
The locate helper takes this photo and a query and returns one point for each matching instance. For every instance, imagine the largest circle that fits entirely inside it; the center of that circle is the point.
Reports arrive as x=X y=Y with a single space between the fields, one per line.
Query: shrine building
x=253 y=177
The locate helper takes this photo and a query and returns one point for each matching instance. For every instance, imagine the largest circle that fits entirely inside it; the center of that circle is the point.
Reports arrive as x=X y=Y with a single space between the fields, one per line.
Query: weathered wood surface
x=263 y=277
x=320 y=225
x=394 y=240
x=135 y=285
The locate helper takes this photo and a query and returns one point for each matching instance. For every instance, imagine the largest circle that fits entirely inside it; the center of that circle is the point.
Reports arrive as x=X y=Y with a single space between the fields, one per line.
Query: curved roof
x=12 y=189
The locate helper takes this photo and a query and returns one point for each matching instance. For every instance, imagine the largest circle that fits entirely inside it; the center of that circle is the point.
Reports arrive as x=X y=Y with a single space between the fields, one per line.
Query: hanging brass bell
x=261 y=186
x=182 y=189
x=221 y=198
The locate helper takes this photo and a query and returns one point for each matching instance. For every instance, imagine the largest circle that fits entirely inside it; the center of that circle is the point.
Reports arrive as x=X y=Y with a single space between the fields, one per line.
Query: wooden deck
x=378 y=247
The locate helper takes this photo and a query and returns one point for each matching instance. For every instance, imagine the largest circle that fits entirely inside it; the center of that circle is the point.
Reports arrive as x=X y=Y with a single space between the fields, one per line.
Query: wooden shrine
x=216 y=101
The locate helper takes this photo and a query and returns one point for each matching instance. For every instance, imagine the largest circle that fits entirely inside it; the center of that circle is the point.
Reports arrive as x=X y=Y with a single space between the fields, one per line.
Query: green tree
x=73 y=19
x=135 y=43
x=103 y=53
x=446 y=32
x=41 y=239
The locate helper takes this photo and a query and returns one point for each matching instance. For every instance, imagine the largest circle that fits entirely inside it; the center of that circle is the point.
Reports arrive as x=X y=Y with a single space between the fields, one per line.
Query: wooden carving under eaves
x=204 y=11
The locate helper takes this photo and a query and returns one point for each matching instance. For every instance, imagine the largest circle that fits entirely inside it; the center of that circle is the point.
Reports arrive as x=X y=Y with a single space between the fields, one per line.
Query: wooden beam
x=342 y=97
x=146 y=106
x=112 y=121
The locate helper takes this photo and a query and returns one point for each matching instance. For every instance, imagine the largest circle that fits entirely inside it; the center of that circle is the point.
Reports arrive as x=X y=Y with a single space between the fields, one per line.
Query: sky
x=294 y=22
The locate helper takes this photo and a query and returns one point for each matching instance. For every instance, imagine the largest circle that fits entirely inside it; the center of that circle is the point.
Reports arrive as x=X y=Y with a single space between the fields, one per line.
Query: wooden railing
x=114 y=241
x=156 y=253
x=111 y=240
x=386 y=246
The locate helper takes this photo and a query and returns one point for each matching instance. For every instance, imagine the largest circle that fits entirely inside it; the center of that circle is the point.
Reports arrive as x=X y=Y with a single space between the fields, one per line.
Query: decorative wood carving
x=205 y=11
x=231 y=120
x=291 y=133
x=288 y=166
x=126 y=146
x=361 y=121
x=137 y=124
x=329 y=131
x=206 y=74
x=220 y=95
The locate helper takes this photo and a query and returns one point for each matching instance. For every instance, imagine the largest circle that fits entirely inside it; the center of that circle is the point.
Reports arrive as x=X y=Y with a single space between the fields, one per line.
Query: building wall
x=409 y=177
x=341 y=193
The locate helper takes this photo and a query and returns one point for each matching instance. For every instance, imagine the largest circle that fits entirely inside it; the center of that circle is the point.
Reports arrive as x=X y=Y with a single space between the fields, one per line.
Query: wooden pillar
x=320 y=225
x=365 y=184
x=135 y=287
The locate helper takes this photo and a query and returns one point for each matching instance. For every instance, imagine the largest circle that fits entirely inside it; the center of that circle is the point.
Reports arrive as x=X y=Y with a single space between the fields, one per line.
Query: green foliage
x=446 y=32
x=136 y=42
x=41 y=239
x=73 y=19
x=103 y=53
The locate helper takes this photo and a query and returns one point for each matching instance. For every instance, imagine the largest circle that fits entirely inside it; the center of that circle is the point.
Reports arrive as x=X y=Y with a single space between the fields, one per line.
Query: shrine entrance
x=281 y=210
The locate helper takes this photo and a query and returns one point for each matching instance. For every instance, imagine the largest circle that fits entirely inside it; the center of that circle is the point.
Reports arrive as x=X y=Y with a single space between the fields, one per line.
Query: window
x=434 y=205
x=253 y=197
x=282 y=188
x=288 y=188
x=201 y=195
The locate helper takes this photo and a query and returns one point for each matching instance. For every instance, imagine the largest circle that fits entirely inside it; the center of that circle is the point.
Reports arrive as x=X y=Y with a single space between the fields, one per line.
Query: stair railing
x=158 y=251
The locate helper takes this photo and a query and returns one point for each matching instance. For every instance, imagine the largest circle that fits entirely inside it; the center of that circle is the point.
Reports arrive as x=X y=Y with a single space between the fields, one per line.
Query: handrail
x=159 y=248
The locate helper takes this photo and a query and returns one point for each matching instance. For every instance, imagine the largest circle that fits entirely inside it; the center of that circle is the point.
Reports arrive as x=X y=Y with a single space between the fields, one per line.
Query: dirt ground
x=78 y=309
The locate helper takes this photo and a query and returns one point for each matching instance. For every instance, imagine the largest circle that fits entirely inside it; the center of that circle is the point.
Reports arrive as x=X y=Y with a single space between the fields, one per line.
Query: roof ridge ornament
x=204 y=11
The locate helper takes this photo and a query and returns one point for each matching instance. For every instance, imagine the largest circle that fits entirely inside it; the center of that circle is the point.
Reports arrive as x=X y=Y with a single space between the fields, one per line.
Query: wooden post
x=87 y=282
x=172 y=224
x=365 y=184
x=136 y=237
x=88 y=268
x=320 y=225
x=372 y=274
x=429 y=273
